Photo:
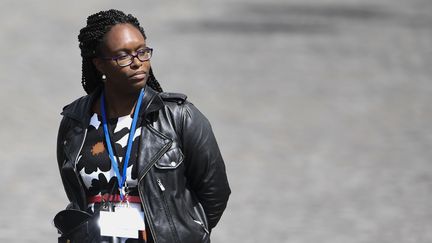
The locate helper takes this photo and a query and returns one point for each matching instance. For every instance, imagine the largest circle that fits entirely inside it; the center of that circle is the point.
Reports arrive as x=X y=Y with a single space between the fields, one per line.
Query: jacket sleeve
x=205 y=167
x=61 y=158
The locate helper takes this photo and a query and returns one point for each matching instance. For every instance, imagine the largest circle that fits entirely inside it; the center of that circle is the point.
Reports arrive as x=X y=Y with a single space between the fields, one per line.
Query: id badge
x=124 y=222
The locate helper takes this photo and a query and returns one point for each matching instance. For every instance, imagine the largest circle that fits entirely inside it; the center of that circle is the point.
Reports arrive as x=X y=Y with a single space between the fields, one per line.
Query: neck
x=118 y=104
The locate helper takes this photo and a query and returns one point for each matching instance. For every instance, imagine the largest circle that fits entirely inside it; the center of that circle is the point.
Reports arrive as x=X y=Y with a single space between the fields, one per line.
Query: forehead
x=123 y=37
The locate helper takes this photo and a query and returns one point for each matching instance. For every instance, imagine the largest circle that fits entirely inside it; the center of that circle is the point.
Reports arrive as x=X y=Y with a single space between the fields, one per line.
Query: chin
x=138 y=85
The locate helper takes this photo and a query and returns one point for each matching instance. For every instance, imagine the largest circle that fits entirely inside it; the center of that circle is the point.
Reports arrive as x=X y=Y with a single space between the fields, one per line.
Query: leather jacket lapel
x=153 y=145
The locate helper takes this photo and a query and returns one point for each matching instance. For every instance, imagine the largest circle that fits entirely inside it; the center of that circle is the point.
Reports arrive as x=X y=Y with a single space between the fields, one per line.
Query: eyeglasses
x=127 y=59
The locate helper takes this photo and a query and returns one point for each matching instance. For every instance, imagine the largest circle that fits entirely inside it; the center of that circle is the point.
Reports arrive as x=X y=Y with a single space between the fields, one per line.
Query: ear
x=98 y=64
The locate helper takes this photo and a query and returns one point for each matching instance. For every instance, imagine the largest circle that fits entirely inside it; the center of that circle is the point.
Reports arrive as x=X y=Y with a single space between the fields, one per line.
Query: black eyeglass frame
x=131 y=56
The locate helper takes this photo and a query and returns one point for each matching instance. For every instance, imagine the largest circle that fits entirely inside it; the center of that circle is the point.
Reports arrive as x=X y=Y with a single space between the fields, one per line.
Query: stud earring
x=103 y=77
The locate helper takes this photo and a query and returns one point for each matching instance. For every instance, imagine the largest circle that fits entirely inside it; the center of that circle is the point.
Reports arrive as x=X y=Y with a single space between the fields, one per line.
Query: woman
x=128 y=148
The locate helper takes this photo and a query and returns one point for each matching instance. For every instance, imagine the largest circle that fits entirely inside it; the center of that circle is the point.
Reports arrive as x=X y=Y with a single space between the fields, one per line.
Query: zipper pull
x=202 y=225
x=160 y=185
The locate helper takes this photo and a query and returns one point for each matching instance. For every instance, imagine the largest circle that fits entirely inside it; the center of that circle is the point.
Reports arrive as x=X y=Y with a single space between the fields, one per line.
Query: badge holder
x=121 y=220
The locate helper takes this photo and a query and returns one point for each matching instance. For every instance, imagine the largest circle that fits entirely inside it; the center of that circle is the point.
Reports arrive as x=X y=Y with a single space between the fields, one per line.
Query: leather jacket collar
x=81 y=109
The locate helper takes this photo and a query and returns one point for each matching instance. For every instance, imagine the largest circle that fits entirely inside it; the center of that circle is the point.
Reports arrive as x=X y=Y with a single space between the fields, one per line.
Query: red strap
x=113 y=198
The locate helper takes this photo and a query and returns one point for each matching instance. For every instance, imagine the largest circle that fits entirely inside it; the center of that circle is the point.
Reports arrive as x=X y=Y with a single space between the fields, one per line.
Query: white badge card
x=123 y=222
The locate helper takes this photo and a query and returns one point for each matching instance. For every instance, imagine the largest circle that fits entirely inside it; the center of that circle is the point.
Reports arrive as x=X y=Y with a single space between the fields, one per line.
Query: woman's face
x=123 y=39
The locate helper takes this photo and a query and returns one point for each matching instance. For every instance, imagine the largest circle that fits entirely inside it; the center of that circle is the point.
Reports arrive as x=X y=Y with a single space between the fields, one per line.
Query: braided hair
x=90 y=39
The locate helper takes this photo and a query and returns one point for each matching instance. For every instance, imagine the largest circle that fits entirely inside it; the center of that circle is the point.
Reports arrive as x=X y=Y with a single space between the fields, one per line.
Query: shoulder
x=174 y=102
x=178 y=98
x=177 y=101
x=75 y=104
x=180 y=107
x=80 y=107
x=77 y=109
x=74 y=110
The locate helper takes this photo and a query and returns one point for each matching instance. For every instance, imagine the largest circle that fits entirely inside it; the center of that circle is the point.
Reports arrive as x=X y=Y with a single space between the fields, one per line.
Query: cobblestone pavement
x=322 y=109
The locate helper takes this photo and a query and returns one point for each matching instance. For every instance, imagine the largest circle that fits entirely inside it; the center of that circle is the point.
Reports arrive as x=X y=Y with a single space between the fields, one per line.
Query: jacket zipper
x=202 y=225
x=79 y=151
x=75 y=162
x=160 y=185
x=146 y=210
x=166 y=209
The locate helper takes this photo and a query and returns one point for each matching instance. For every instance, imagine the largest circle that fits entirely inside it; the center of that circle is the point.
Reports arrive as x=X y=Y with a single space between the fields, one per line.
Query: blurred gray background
x=322 y=110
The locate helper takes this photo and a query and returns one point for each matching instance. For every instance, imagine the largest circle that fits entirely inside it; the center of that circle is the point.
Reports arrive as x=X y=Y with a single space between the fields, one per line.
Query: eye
x=123 y=57
x=146 y=50
x=144 y=54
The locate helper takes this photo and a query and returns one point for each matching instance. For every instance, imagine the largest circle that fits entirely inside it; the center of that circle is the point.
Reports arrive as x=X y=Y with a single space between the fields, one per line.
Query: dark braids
x=90 y=38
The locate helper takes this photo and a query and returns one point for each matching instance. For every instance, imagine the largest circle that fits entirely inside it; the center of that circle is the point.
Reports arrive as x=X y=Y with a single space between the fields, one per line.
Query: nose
x=136 y=63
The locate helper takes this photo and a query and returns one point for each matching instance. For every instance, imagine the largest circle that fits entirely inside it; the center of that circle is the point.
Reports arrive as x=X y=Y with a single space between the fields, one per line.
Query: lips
x=138 y=75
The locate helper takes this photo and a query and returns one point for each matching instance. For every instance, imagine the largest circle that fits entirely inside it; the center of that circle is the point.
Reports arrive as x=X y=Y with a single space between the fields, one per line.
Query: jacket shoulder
x=74 y=104
x=178 y=98
x=81 y=105
x=78 y=107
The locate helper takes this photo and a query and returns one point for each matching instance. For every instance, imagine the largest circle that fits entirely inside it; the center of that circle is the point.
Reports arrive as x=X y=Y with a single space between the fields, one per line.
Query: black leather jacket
x=181 y=174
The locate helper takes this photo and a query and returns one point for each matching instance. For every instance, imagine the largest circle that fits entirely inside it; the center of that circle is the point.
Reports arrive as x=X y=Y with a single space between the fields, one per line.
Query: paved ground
x=322 y=109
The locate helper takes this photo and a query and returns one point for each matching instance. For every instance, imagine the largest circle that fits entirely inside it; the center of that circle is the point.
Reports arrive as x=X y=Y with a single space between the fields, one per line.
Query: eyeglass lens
x=142 y=55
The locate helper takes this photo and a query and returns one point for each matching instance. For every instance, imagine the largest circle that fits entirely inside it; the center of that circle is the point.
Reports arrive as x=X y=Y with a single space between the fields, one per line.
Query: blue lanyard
x=120 y=178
